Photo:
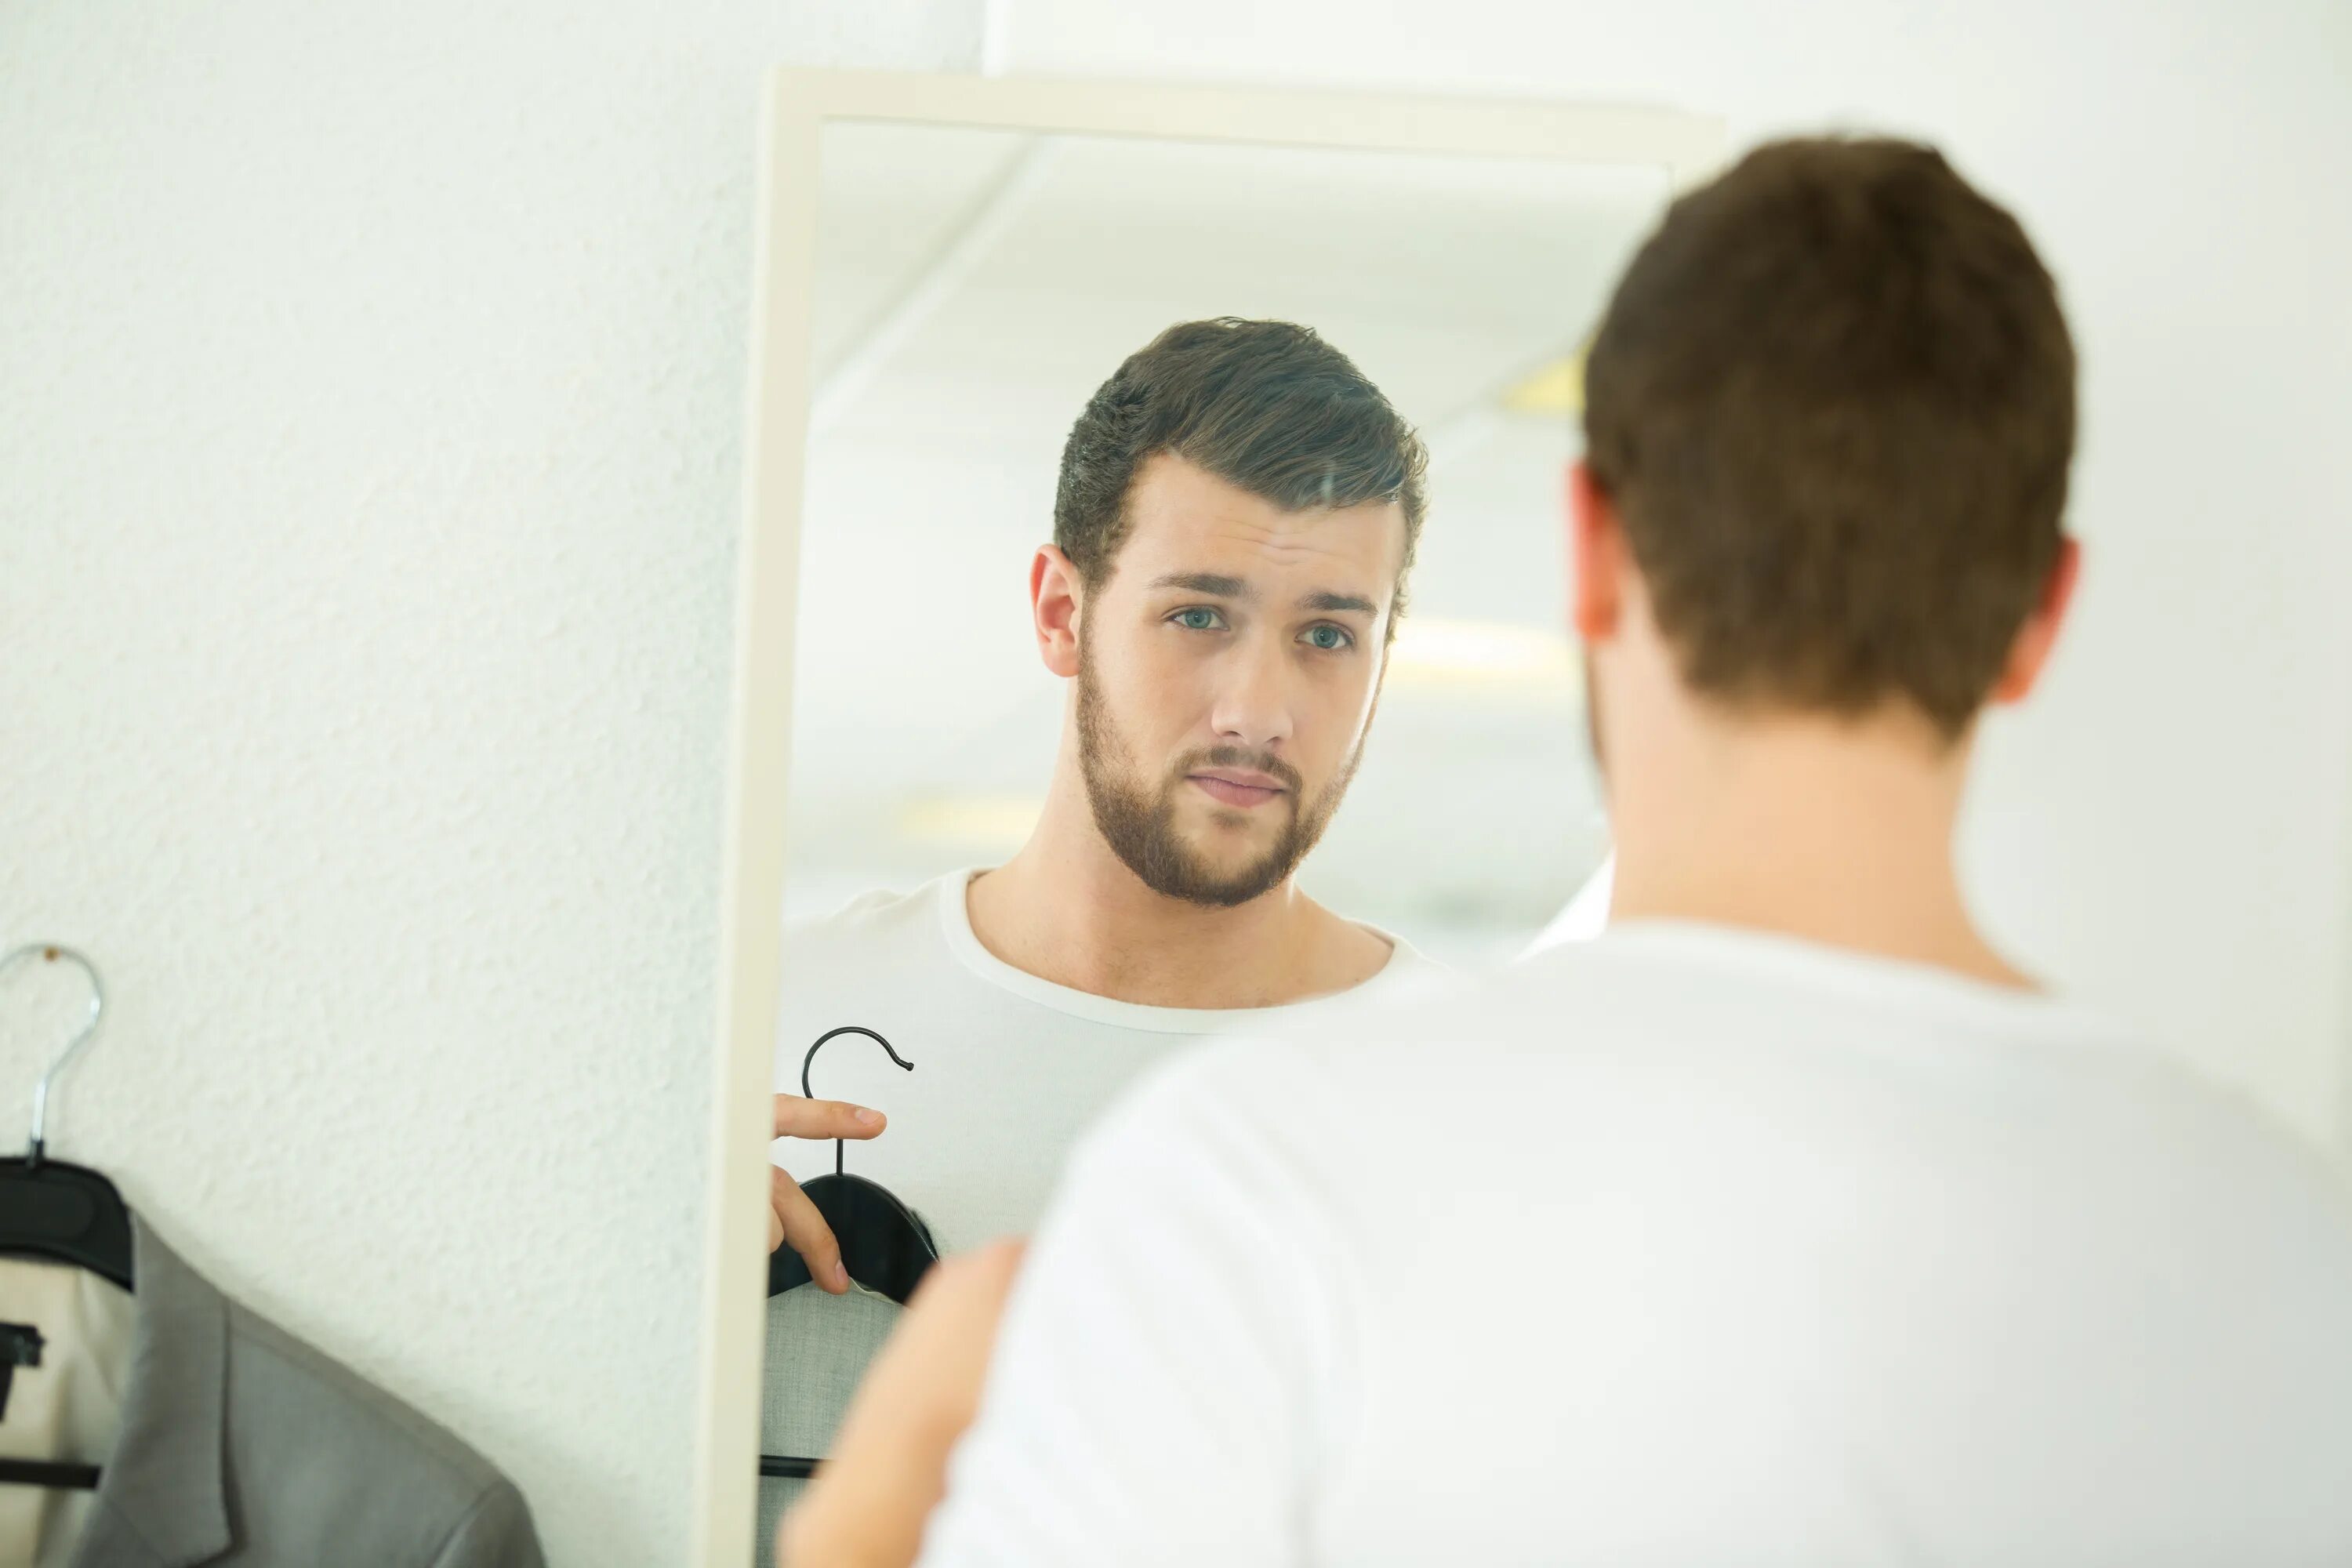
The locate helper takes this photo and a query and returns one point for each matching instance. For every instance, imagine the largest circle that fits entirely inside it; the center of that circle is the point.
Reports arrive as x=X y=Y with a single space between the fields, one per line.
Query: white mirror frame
x=799 y=104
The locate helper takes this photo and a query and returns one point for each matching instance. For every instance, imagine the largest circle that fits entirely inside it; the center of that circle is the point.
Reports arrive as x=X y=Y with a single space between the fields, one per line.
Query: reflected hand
x=888 y=1466
x=791 y=1217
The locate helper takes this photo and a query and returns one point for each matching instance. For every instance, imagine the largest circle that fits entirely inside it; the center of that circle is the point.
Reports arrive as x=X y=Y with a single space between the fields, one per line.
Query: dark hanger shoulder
x=67 y=1214
x=885 y=1245
x=49 y=1208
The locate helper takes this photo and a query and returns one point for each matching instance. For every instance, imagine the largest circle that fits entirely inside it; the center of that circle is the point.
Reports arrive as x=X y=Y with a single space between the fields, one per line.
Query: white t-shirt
x=1008 y=1068
x=1684 y=1246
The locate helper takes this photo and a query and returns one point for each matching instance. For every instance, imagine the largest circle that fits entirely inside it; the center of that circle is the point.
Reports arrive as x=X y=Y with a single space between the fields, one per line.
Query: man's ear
x=1056 y=597
x=2029 y=653
x=1598 y=558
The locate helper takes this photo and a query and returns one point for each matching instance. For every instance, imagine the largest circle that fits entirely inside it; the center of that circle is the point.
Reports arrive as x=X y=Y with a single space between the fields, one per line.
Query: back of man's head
x=1833 y=403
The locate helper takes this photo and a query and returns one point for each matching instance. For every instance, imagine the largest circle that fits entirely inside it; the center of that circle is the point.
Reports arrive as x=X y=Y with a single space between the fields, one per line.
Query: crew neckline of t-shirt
x=1782 y=958
x=950 y=893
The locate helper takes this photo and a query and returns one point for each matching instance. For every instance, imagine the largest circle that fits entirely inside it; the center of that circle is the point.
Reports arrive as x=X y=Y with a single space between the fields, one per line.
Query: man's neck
x=1819 y=829
x=1067 y=909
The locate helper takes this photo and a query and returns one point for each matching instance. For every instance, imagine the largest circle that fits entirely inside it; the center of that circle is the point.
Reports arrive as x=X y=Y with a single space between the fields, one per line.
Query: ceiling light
x=1556 y=389
x=969 y=819
x=1480 y=653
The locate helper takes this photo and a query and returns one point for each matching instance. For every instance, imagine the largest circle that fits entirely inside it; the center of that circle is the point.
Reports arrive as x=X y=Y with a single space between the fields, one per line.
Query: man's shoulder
x=868 y=962
x=1407 y=964
x=1662 y=1011
x=1417 y=1003
x=865 y=925
x=1598 y=1038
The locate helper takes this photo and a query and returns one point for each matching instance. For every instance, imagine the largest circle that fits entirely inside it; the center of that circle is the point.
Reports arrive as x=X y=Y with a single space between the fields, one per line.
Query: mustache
x=1240 y=757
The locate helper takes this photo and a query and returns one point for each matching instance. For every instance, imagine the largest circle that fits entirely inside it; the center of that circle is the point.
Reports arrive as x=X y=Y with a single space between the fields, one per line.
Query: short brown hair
x=1834 y=402
x=1266 y=405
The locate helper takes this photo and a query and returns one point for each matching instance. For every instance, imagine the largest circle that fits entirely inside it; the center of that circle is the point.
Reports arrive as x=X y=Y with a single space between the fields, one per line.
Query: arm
x=1160 y=1381
x=867 y=1505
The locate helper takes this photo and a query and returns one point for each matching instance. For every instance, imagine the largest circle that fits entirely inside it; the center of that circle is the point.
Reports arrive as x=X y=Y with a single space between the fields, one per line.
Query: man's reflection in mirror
x=1234 y=523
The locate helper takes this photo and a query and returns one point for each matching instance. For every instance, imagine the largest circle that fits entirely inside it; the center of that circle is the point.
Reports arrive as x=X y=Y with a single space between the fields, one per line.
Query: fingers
x=798 y=1118
x=794 y=1221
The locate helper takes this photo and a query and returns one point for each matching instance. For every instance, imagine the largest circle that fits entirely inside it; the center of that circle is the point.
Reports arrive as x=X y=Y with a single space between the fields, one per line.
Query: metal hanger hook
x=50 y=952
x=807 y=1093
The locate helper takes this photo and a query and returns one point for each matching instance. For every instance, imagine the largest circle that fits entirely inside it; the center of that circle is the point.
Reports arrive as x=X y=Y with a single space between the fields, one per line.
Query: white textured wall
x=2169 y=829
x=371 y=399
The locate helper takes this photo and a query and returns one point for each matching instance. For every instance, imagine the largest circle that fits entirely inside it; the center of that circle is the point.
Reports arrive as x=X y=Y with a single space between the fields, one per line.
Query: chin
x=1220 y=851
x=1229 y=841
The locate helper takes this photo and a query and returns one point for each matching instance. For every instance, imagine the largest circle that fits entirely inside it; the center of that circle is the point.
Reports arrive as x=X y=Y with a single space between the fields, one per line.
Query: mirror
x=979 y=260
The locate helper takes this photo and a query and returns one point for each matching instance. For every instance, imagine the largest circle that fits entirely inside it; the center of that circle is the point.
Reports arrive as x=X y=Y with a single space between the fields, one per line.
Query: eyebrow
x=1327 y=601
x=1207 y=583
x=1224 y=587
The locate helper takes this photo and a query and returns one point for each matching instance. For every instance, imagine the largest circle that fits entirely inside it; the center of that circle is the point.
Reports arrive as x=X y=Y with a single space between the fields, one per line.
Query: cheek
x=1341 y=706
x=1155 y=691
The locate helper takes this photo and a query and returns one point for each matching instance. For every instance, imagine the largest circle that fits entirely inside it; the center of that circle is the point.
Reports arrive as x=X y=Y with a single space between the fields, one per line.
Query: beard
x=1138 y=822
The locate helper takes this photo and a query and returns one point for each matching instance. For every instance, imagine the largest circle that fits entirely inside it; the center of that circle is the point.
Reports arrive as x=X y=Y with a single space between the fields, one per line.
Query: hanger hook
x=807 y=1093
x=50 y=952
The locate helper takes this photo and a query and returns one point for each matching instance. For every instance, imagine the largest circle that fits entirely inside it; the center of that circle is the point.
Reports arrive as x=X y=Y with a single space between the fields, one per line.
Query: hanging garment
x=818 y=1347
x=236 y=1445
x=63 y=1407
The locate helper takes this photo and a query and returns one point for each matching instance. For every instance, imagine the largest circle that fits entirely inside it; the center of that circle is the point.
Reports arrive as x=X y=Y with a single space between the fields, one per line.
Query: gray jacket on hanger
x=241 y=1446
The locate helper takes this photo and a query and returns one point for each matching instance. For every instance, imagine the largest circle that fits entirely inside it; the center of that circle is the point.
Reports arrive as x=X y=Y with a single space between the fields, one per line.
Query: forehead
x=1181 y=517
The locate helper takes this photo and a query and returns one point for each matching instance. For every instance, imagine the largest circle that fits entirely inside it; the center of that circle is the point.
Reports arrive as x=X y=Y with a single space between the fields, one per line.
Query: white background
x=371 y=386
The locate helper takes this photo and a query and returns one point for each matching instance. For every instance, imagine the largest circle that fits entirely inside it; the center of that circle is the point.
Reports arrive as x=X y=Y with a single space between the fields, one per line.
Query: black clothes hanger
x=60 y=1212
x=66 y=1213
x=885 y=1245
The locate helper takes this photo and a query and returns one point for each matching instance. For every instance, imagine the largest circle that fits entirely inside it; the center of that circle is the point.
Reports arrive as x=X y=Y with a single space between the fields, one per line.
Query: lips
x=1241 y=789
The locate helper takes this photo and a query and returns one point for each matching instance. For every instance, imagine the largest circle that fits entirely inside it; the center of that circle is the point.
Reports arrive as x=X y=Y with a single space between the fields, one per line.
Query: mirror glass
x=974 y=287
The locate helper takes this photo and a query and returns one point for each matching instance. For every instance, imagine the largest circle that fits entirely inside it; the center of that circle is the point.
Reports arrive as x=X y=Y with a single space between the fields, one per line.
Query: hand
x=791 y=1215
x=888 y=1467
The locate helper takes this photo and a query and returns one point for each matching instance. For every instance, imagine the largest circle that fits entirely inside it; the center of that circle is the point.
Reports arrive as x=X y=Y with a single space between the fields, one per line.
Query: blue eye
x=1199 y=618
x=1329 y=637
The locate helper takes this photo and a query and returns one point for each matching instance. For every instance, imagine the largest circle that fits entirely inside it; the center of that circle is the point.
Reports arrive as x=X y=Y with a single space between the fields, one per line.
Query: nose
x=1254 y=706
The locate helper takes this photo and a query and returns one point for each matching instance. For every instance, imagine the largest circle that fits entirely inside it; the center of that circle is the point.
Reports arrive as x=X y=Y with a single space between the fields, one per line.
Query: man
x=1793 y=1223
x=1237 y=512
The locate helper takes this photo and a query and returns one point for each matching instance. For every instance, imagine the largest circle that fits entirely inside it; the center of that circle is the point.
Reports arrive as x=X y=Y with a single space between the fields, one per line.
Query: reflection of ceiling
x=1557 y=388
x=975 y=287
